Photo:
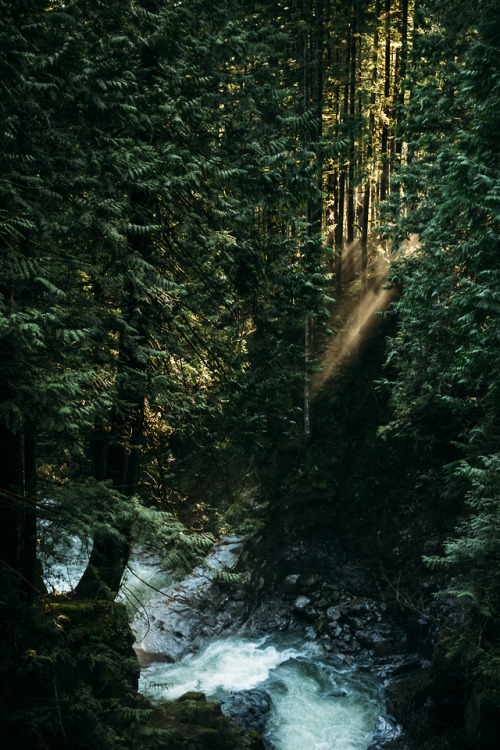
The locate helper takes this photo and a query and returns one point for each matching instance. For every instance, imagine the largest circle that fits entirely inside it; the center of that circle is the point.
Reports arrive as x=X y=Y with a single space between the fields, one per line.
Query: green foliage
x=446 y=349
x=472 y=558
x=445 y=354
x=69 y=675
x=155 y=271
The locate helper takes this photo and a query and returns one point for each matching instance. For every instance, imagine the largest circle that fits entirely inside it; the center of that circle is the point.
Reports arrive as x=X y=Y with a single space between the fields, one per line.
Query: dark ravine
x=343 y=608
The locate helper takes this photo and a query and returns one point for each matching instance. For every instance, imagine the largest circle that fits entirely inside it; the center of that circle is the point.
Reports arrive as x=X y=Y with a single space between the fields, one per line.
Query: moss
x=198 y=724
x=73 y=677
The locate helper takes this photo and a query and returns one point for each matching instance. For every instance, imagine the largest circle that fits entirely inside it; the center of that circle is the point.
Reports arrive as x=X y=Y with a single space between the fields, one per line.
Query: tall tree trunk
x=313 y=96
x=370 y=150
x=402 y=74
x=30 y=569
x=364 y=234
x=384 y=150
x=339 y=234
x=11 y=491
x=116 y=453
x=17 y=450
x=352 y=112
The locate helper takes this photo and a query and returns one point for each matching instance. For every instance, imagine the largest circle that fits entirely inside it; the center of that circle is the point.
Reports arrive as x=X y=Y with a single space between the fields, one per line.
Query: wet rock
x=194 y=722
x=408 y=664
x=388 y=734
x=335 y=630
x=310 y=634
x=336 y=660
x=248 y=708
x=311 y=581
x=179 y=620
x=300 y=603
x=356 y=623
x=339 y=693
x=333 y=613
x=358 y=608
x=383 y=646
x=240 y=595
x=311 y=612
x=364 y=638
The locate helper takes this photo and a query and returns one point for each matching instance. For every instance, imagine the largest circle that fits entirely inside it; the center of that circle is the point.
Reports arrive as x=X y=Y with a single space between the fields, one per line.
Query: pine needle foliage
x=446 y=350
x=156 y=267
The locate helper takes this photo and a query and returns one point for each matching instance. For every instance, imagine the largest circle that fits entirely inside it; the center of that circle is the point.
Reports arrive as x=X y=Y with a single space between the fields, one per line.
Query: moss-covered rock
x=193 y=723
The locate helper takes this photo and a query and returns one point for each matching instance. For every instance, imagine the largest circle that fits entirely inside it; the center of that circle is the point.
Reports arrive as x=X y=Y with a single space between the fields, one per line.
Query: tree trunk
x=352 y=112
x=30 y=568
x=11 y=495
x=402 y=74
x=364 y=234
x=384 y=150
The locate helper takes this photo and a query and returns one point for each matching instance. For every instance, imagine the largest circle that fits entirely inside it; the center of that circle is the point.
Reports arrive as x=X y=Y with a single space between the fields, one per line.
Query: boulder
x=333 y=614
x=248 y=708
x=291 y=583
x=184 y=615
x=388 y=734
x=300 y=603
x=337 y=693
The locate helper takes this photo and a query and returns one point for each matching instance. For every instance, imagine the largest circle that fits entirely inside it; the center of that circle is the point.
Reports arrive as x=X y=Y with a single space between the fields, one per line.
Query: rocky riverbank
x=341 y=608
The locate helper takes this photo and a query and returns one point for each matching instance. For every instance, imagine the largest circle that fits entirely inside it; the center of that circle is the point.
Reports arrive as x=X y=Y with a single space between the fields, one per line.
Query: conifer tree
x=446 y=351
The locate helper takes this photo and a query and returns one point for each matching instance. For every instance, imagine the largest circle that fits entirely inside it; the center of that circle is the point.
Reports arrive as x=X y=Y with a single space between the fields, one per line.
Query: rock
x=145 y=657
x=408 y=664
x=194 y=722
x=311 y=612
x=382 y=646
x=311 y=581
x=240 y=595
x=338 y=693
x=388 y=734
x=225 y=554
x=184 y=615
x=357 y=608
x=335 y=630
x=365 y=638
x=300 y=603
x=192 y=695
x=333 y=613
x=291 y=583
x=336 y=660
x=248 y=708
x=356 y=623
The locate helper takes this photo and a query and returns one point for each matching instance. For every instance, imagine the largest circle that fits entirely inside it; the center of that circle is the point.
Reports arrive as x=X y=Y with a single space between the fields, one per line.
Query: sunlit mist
x=359 y=322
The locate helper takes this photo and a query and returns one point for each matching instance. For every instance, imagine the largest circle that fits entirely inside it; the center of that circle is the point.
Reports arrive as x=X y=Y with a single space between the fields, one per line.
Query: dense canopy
x=191 y=195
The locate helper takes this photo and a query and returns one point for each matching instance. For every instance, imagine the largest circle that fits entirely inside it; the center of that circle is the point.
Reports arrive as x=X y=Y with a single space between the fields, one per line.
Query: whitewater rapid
x=314 y=704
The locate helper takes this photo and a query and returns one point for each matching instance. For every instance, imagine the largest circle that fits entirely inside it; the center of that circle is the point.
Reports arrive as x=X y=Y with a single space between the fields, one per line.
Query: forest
x=249 y=283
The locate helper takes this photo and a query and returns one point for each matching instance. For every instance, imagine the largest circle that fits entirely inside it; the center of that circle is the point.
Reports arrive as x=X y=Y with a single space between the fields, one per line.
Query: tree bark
x=352 y=113
x=402 y=74
x=384 y=150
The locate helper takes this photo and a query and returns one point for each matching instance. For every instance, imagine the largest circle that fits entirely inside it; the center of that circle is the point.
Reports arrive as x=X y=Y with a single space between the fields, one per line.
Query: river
x=314 y=705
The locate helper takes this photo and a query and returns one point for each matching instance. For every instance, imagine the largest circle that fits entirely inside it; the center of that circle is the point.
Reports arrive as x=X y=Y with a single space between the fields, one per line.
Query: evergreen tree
x=446 y=351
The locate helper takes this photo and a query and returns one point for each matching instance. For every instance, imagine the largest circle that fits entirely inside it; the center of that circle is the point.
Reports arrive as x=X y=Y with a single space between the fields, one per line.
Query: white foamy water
x=303 y=715
x=225 y=664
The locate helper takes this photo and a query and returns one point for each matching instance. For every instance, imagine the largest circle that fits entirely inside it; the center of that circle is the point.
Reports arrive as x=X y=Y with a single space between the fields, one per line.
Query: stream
x=313 y=704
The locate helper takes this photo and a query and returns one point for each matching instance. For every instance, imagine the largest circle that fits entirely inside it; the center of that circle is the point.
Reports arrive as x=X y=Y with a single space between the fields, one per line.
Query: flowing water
x=308 y=707
x=315 y=706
